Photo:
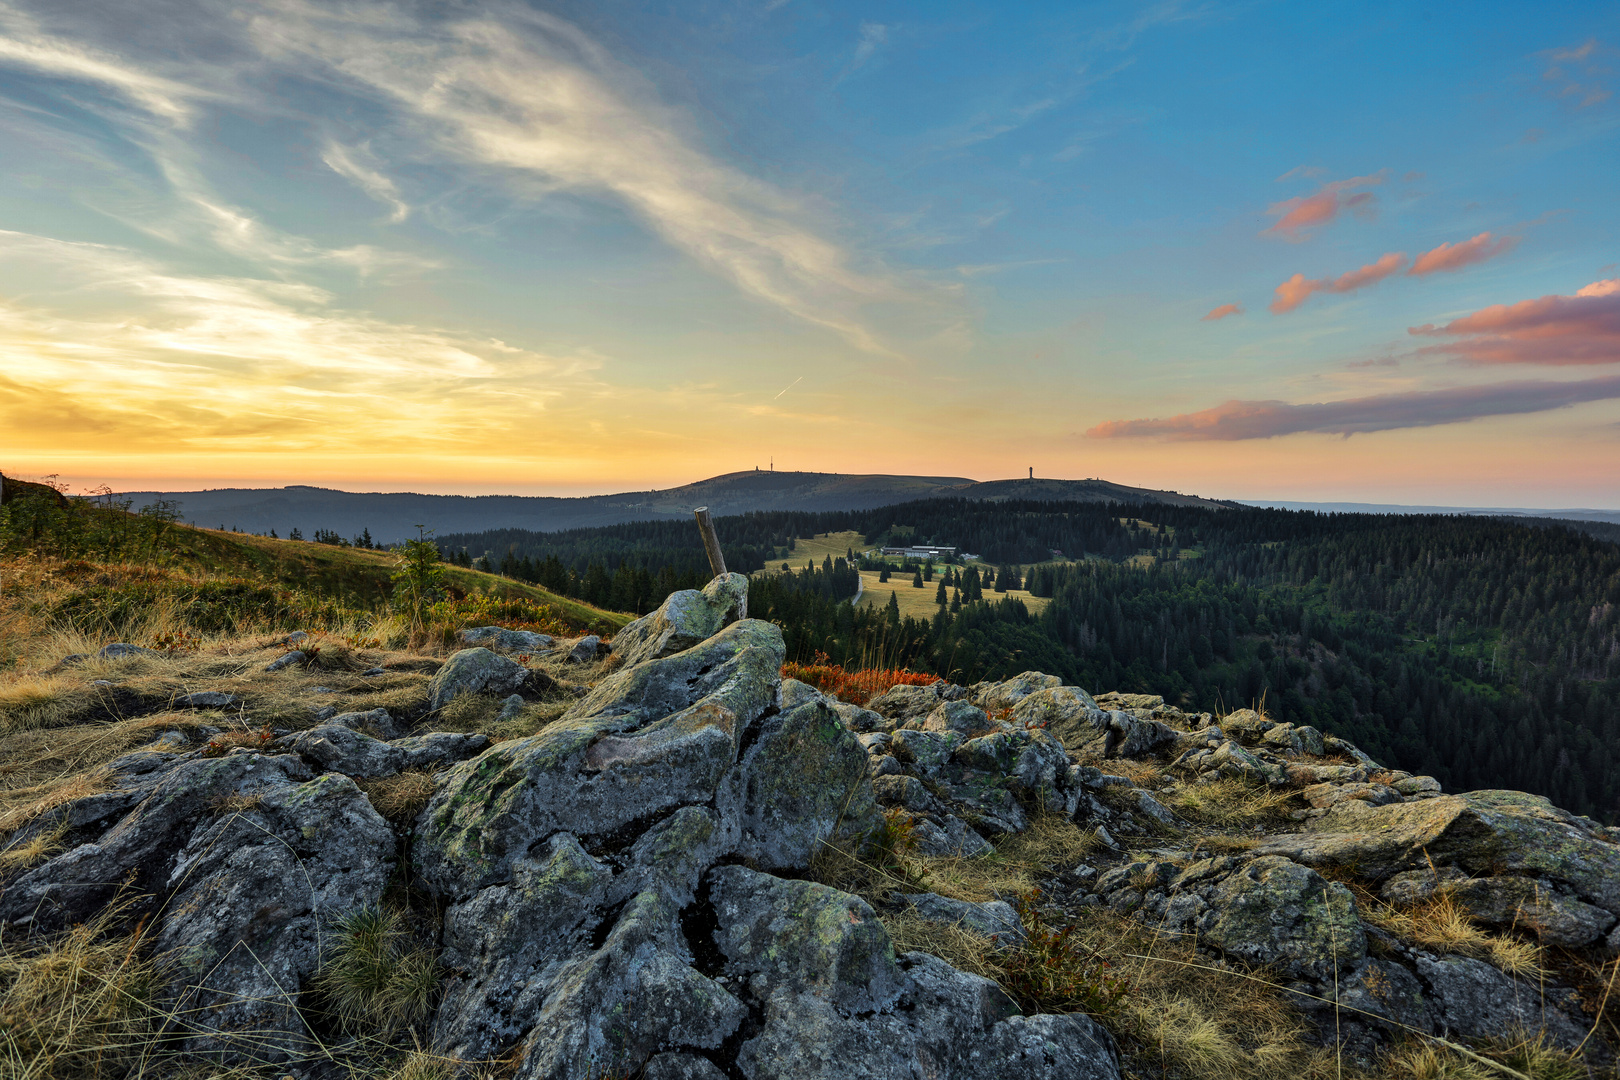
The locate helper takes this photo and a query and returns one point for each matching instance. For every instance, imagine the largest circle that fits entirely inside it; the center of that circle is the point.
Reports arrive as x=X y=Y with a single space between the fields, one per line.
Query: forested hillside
x=1485 y=651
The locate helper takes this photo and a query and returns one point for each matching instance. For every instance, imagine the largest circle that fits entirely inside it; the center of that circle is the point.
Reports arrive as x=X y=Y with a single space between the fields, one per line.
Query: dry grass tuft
x=43 y=701
x=420 y=1065
x=33 y=851
x=1532 y=1057
x=1231 y=804
x=399 y=798
x=958 y=946
x=223 y=805
x=76 y=1007
x=19 y=806
x=1442 y=925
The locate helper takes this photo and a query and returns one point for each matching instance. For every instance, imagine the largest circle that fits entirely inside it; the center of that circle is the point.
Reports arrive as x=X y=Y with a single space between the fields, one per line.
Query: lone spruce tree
x=418 y=578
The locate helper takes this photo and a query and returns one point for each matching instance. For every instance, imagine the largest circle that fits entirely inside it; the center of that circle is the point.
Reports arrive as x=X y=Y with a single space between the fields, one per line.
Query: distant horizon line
x=593 y=491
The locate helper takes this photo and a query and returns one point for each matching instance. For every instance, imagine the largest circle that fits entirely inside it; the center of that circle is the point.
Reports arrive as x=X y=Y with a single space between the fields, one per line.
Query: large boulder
x=907 y=702
x=500 y=639
x=1275 y=912
x=475 y=671
x=335 y=747
x=255 y=893
x=1484 y=833
x=805 y=779
x=798 y=937
x=1004 y=695
x=684 y=619
x=648 y=739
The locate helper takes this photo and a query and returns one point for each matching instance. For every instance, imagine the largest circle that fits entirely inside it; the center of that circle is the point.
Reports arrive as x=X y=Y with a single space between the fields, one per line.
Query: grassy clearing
x=919 y=603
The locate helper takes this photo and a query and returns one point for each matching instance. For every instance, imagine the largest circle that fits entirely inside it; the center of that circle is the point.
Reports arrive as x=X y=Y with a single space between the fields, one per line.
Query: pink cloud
x=1297 y=289
x=1222 y=312
x=1370 y=274
x=1293 y=292
x=1554 y=330
x=1457 y=256
x=1238 y=420
x=1579 y=73
x=1296 y=216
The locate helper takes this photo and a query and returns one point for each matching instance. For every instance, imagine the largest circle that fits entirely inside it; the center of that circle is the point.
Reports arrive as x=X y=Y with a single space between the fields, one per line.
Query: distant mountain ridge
x=394 y=516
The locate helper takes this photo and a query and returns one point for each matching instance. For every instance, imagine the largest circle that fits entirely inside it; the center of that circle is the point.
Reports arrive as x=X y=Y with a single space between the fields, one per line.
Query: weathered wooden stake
x=711 y=542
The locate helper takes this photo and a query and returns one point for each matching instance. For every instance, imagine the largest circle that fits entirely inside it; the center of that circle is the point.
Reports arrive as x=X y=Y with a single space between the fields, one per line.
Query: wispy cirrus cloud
x=528 y=97
x=1451 y=257
x=1298 y=217
x=1240 y=420
x=873 y=35
x=346 y=163
x=1298 y=289
x=24 y=44
x=1222 y=312
x=1553 y=330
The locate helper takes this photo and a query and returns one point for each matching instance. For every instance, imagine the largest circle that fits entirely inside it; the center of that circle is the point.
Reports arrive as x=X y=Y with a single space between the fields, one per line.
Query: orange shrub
x=855 y=687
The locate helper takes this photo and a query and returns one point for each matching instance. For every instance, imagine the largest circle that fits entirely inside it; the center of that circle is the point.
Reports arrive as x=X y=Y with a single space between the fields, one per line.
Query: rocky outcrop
x=627 y=891
x=598 y=916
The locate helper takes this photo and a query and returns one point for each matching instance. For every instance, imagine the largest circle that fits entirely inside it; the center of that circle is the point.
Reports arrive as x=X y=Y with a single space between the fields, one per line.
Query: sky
x=1331 y=251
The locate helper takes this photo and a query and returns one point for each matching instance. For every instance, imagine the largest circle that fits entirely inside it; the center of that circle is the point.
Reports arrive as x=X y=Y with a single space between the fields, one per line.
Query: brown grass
x=76 y=1007
x=1231 y=803
x=399 y=798
x=1422 y=1060
x=1442 y=925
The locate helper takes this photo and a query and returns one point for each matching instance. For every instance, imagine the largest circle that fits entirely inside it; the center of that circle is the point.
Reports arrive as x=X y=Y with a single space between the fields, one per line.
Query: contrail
x=790 y=386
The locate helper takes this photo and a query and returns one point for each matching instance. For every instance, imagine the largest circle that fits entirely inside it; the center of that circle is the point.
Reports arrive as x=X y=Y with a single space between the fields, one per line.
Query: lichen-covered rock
x=683 y=620
x=961 y=716
x=336 y=747
x=254 y=893
x=994 y=918
x=1528 y=905
x=242 y=863
x=805 y=939
x=953 y=838
x=1065 y=711
x=585 y=650
x=500 y=639
x=905 y=702
x=946 y=1024
x=1386 y=990
x=615 y=1007
x=1471 y=999
x=140 y=849
x=499 y=944
x=928 y=751
x=475 y=671
x=119 y=650
x=1276 y=912
x=681 y=1067
x=660 y=735
x=282 y=663
x=1482 y=832
x=805 y=779
x=1004 y=695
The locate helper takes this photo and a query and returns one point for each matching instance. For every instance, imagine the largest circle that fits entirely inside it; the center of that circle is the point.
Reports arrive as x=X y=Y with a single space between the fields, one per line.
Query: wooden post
x=711 y=542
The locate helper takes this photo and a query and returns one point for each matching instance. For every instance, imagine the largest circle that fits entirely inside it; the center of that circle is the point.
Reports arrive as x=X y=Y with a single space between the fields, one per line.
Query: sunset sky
x=1332 y=251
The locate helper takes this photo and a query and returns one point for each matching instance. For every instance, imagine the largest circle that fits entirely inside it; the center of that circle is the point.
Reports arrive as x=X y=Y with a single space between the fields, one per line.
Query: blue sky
x=1255 y=250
